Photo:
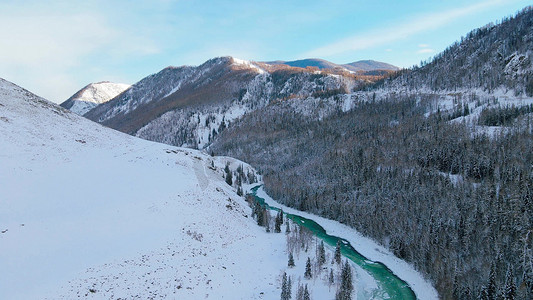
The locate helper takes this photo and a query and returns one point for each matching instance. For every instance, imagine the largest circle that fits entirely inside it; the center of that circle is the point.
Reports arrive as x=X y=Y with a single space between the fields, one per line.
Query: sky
x=54 y=48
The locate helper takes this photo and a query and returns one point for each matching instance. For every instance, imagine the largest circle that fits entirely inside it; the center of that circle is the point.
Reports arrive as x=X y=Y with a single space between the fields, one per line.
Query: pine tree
x=308 y=274
x=337 y=257
x=306 y=294
x=291 y=260
x=284 y=287
x=321 y=254
x=258 y=211
x=491 y=288
x=287 y=227
x=509 y=292
x=229 y=176
x=278 y=222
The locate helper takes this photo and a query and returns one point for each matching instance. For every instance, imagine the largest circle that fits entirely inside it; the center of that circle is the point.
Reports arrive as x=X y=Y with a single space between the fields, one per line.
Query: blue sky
x=54 y=48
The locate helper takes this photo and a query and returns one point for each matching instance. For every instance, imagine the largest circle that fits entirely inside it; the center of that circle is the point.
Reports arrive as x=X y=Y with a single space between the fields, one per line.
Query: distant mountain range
x=189 y=106
x=358 y=66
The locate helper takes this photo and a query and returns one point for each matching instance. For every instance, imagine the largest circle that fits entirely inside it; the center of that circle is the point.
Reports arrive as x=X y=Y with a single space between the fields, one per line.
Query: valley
x=274 y=179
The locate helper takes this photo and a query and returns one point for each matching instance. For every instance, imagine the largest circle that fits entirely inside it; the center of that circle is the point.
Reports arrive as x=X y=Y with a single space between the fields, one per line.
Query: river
x=390 y=286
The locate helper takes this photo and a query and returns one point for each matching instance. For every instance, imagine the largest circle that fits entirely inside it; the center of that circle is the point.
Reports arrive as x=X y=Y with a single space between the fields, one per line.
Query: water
x=390 y=286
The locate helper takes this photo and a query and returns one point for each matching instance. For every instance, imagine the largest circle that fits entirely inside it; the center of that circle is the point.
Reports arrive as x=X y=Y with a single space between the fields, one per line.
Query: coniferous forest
x=456 y=204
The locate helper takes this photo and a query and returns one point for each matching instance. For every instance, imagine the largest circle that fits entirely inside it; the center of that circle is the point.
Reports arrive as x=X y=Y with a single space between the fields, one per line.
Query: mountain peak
x=92 y=95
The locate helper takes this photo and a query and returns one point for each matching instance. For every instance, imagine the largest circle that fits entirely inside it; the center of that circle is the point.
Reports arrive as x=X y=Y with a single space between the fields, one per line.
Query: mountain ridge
x=205 y=98
x=361 y=66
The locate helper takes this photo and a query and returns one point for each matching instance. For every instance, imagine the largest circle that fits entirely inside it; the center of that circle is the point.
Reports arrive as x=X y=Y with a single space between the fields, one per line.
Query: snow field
x=90 y=212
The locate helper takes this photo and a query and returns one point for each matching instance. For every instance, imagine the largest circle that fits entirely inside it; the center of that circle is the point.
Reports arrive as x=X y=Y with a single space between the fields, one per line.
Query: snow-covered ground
x=87 y=211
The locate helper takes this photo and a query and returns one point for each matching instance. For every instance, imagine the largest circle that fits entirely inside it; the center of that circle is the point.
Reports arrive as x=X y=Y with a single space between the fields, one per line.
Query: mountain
x=369 y=65
x=189 y=106
x=94 y=213
x=310 y=62
x=433 y=162
x=362 y=66
x=93 y=94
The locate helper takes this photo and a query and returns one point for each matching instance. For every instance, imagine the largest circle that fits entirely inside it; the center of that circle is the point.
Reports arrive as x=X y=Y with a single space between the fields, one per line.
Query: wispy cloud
x=382 y=36
x=425 y=50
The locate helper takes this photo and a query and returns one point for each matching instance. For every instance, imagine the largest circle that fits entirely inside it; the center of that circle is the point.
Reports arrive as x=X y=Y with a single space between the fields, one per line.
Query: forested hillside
x=433 y=163
x=489 y=58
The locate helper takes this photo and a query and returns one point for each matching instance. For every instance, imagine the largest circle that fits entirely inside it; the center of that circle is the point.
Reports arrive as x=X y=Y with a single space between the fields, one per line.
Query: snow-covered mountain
x=93 y=94
x=91 y=212
x=189 y=106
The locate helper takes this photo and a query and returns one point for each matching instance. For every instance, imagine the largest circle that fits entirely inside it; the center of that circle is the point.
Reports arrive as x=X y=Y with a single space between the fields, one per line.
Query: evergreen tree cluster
x=502 y=116
x=346 y=287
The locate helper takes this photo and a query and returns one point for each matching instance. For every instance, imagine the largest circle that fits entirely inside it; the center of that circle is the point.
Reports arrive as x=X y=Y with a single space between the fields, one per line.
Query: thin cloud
x=387 y=35
x=425 y=50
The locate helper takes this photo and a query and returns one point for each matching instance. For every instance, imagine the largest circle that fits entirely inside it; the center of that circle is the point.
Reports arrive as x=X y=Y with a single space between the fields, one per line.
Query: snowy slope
x=92 y=95
x=88 y=211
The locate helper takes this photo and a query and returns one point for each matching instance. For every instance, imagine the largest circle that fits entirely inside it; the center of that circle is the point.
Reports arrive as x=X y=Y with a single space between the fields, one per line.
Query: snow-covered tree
x=346 y=287
x=337 y=257
x=308 y=273
x=291 y=260
x=321 y=254
x=284 y=287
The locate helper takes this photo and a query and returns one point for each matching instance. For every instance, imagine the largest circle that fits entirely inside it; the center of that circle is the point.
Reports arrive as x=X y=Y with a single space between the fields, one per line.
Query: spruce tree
x=291 y=260
x=509 y=292
x=284 y=295
x=337 y=257
x=229 y=176
x=346 y=287
x=321 y=254
x=279 y=221
x=308 y=274
x=306 y=294
x=491 y=288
